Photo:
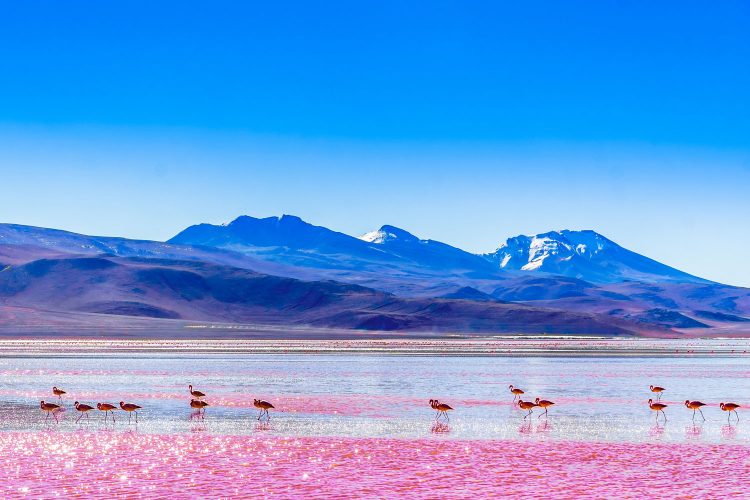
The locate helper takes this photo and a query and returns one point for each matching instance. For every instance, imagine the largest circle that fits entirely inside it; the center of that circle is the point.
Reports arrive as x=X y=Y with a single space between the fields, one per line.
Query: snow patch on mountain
x=585 y=255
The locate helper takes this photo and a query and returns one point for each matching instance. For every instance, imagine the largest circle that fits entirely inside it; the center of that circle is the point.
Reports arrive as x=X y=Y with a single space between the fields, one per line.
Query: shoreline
x=492 y=347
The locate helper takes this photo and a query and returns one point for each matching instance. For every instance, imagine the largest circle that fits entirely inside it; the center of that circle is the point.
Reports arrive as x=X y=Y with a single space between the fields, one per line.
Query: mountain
x=427 y=253
x=584 y=255
x=290 y=240
x=286 y=239
x=173 y=290
x=284 y=271
x=20 y=244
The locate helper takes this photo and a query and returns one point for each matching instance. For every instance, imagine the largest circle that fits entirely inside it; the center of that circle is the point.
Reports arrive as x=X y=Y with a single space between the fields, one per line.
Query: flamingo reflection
x=440 y=428
x=693 y=431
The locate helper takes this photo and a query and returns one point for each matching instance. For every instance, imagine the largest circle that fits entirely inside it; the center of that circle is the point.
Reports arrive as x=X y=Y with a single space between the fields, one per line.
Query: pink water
x=360 y=425
x=103 y=464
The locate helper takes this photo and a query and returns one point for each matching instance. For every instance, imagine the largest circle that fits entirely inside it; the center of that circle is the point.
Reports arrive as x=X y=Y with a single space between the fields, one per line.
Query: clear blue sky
x=466 y=122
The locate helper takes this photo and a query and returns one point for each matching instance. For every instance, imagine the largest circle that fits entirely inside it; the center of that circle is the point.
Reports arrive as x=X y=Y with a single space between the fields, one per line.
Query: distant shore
x=548 y=346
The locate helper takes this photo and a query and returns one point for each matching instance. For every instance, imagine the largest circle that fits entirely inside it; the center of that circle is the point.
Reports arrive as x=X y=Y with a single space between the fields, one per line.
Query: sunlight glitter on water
x=361 y=424
x=385 y=396
x=102 y=464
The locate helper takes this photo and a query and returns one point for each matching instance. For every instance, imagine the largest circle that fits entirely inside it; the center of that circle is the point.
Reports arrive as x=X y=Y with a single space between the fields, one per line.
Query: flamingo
x=196 y=394
x=263 y=406
x=49 y=408
x=526 y=405
x=729 y=408
x=199 y=405
x=83 y=409
x=515 y=391
x=442 y=409
x=657 y=407
x=130 y=408
x=58 y=392
x=106 y=408
x=658 y=390
x=543 y=403
x=695 y=405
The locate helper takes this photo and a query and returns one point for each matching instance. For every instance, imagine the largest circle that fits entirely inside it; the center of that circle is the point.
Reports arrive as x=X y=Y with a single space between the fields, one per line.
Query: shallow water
x=103 y=465
x=359 y=425
x=361 y=395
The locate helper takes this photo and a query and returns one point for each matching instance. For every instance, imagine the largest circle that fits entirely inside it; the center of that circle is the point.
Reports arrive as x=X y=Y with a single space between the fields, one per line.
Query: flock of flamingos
x=442 y=409
x=196 y=402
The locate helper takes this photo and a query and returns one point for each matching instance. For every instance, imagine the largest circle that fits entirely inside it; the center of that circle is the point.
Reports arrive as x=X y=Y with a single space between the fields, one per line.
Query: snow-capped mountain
x=389 y=234
x=585 y=255
x=290 y=240
x=251 y=269
x=428 y=253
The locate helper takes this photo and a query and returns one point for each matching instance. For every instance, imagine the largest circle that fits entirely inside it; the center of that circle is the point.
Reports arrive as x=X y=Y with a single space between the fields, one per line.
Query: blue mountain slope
x=291 y=240
x=585 y=255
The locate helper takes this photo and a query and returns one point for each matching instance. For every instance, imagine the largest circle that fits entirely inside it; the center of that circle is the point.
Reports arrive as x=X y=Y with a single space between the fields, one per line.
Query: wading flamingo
x=58 y=392
x=543 y=403
x=130 y=408
x=515 y=391
x=196 y=394
x=82 y=408
x=729 y=408
x=106 y=408
x=441 y=408
x=200 y=406
x=657 y=407
x=526 y=405
x=695 y=406
x=658 y=390
x=49 y=408
x=263 y=406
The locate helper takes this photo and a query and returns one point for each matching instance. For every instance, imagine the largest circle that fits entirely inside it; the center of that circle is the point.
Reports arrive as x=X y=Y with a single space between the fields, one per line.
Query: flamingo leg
x=702 y=415
x=665 y=415
x=47 y=418
x=737 y=415
x=55 y=415
x=136 y=417
x=79 y=417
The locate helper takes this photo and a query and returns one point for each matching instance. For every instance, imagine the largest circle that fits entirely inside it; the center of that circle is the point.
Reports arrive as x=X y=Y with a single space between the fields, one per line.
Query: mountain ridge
x=430 y=284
